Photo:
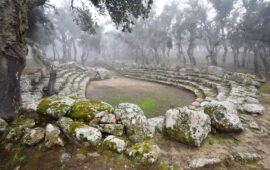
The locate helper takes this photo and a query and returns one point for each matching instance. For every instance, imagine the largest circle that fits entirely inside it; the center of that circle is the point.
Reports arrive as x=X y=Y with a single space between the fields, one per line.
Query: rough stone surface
x=224 y=116
x=252 y=108
x=17 y=128
x=108 y=119
x=204 y=162
x=89 y=134
x=145 y=153
x=134 y=120
x=87 y=109
x=184 y=125
x=247 y=157
x=33 y=136
x=156 y=124
x=114 y=143
x=113 y=129
x=217 y=71
x=52 y=137
x=55 y=107
x=69 y=126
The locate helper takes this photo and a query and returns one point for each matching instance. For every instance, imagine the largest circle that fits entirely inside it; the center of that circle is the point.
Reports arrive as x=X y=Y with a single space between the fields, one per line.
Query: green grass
x=148 y=105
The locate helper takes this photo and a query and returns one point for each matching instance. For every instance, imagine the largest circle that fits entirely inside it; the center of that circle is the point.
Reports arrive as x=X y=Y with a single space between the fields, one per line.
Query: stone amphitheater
x=226 y=102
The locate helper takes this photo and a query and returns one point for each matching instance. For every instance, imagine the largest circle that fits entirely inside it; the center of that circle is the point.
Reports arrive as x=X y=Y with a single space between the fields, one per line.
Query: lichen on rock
x=114 y=143
x=69 y=126
x=52 y=137
x=144 y=152
x=224 y=116
x=134 y=120
x=187 y=126
x=33 y=136
x=88 y=134
x=87 y=109
x=113 y=129
x=56 y=108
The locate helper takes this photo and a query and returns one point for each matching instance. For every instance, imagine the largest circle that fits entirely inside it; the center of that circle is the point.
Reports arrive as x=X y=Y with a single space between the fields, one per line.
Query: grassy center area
x=154 y=99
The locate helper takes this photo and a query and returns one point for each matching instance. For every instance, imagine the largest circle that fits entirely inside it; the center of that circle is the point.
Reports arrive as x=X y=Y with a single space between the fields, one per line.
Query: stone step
x=222 y=89
x=205 y=90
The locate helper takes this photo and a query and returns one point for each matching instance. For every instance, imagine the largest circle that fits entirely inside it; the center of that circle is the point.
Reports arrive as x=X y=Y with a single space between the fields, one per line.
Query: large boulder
x=187 y=126
x=224 y=116
x=217 y=71
x=87 y=109
x=115 y=144
x=52 y=136
x=33 y=136
x=134 y=120
x=55 y=107
x=145 y=153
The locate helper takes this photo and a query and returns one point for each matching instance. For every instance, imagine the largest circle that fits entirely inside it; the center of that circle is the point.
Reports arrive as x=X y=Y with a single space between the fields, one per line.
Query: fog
x=174 y=33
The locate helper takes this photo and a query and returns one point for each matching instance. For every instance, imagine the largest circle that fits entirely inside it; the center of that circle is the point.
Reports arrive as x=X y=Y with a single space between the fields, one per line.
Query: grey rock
x=33 y=136
x=187 y=126
x=224 y=116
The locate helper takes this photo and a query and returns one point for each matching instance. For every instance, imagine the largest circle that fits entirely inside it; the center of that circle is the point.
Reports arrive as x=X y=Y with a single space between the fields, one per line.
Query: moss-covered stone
x=87 y=109
x=145 y=153
x=55 y=107
x=17 y=128
x=114 y=143
x=33 y=136
x=69 y=126
x=52 y=137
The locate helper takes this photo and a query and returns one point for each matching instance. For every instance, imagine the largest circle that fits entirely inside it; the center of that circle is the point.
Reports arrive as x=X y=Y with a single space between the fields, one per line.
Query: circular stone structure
x=154 y=99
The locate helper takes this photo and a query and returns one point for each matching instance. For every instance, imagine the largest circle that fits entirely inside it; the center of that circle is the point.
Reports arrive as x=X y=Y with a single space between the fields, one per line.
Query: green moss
x=87 y=109
x=43 y=106
x=74 y=125
x=57 y=107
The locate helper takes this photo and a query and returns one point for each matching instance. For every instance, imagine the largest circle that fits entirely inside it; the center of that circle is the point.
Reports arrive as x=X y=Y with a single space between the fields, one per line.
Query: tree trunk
x=236 y=57
x=225 y=47
x=13 y=50
x=75 y=50
x=256 y=60
x=52 y=81
x=244 y=56
x=190 y=50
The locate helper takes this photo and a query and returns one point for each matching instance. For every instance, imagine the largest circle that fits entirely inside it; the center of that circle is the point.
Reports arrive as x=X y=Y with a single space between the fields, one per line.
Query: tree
x=195 y=15
x=223 y=9
x=14 y=23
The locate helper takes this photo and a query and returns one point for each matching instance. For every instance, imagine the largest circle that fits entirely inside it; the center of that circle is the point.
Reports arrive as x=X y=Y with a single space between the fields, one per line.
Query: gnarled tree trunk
x=13 y=50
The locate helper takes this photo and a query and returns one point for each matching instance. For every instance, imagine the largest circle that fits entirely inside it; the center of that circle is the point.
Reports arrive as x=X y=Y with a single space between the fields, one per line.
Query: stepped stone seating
x=72 y=80
x=208 y=85
x=220 y=95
